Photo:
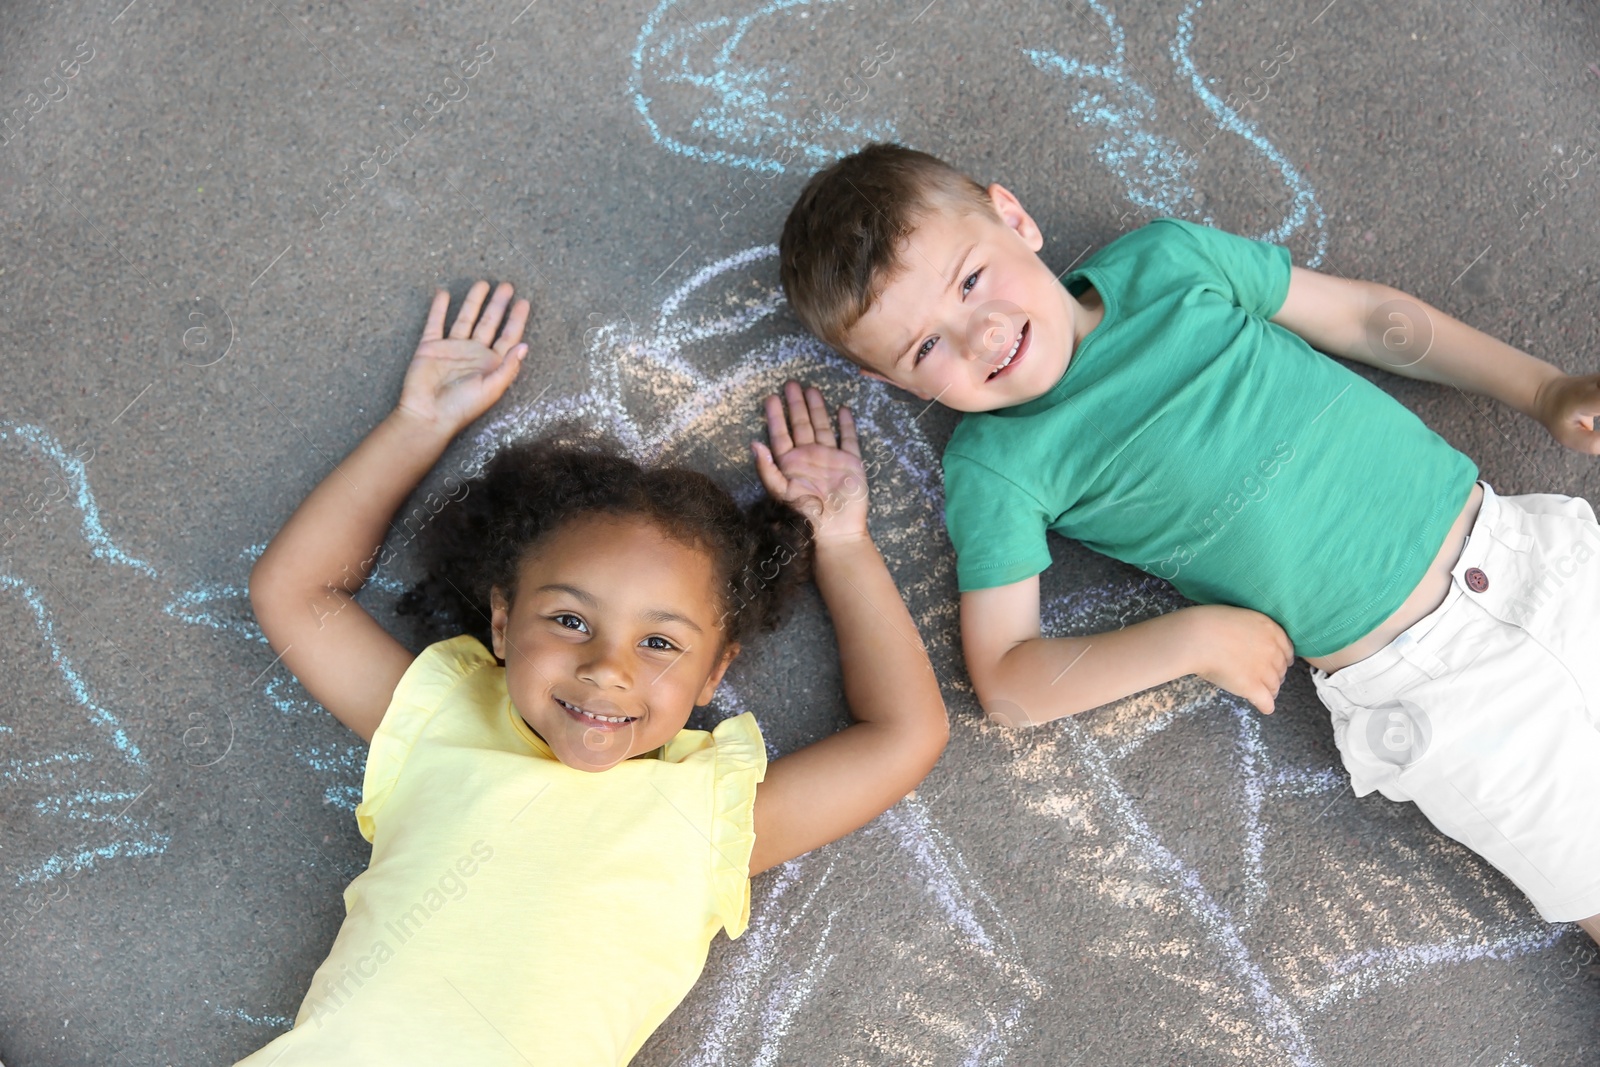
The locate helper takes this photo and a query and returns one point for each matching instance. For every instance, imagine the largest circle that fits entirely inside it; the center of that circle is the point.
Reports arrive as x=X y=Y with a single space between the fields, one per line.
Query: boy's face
x=973 y=318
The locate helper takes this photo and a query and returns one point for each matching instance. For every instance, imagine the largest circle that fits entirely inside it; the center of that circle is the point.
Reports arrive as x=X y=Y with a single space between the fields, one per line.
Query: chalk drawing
x=647 y=388
x=1513 y=1058
x=1274 y=993
x=83 y=792
x=785 y=953
x=92 y=788
x=658 y=391
x=744 y=115
x=684 y=389
x=225 y=608
x=738 y=113
x=1156 y=170
x=277 y=1022
x=73 y=470
x=101 y=716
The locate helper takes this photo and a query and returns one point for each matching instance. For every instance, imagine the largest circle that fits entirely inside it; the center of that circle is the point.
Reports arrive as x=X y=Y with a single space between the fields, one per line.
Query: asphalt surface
x=219 y=228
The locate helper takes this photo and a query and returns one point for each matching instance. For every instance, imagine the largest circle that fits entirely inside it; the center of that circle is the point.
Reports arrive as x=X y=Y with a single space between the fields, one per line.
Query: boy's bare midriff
x=1429 y=594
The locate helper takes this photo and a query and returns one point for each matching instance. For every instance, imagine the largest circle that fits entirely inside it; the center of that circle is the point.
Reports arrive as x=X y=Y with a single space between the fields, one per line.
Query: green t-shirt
x=1197 y=441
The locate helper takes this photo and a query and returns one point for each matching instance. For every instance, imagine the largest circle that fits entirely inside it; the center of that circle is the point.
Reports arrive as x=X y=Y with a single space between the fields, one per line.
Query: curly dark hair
x=531 y=488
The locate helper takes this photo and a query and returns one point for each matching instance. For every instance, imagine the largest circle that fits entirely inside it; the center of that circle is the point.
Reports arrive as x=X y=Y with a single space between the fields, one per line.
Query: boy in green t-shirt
x=1165 y=404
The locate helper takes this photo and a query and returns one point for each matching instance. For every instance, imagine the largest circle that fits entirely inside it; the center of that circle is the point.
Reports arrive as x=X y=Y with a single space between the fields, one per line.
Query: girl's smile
x=594 y=716
x=610 y=639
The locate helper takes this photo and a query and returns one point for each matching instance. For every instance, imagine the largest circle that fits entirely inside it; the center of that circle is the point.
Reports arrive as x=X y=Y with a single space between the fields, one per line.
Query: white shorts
x=1486 y=712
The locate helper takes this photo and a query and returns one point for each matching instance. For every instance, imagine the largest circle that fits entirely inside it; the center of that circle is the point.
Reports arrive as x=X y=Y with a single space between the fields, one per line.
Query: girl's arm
x=303 y=587
x=830 y=788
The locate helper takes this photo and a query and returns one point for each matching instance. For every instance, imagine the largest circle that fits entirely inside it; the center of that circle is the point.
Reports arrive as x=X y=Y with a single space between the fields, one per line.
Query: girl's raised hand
x=837 y=784
x=452 y=380
x=816 y=471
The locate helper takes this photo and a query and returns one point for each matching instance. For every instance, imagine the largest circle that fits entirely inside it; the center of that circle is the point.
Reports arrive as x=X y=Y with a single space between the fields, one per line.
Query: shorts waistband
x=1496 y=527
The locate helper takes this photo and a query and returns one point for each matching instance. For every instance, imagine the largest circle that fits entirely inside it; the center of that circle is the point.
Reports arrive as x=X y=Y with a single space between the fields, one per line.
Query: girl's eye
x=971 y=282
x=924 y=349
x=570 y=622
x=661 y=644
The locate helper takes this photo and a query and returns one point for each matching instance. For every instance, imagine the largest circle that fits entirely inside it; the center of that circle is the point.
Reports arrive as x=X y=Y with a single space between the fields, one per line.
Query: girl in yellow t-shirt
x=552 y=851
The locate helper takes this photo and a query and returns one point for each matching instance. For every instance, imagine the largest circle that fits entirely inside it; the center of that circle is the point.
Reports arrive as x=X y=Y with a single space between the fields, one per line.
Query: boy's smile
x=972 y=317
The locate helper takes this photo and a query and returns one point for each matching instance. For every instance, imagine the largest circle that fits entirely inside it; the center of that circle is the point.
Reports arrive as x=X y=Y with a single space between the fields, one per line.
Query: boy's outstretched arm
x=1389 y=329
x=829 y=788
x=1023 y=678
x=303 y=586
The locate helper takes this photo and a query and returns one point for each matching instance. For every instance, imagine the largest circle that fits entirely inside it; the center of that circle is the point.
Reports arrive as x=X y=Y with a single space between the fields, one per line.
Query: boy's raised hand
x=815 y=471
x=1568 y=406
x=452 y=380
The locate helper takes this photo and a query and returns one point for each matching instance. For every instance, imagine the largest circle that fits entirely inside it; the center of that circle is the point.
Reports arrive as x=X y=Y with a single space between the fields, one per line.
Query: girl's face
x=612 y=640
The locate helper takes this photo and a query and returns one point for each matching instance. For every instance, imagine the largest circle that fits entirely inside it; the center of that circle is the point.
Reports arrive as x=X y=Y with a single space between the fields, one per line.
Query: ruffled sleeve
x=741 y=762
x=423 y=689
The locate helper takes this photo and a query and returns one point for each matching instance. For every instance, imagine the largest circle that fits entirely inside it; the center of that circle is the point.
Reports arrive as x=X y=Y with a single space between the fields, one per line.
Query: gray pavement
x=219 y=227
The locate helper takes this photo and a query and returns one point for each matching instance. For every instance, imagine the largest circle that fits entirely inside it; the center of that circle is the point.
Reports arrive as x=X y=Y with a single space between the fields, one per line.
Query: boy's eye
x=970 y=283
x=924 y=349
x=660 y=644
x=568 y=621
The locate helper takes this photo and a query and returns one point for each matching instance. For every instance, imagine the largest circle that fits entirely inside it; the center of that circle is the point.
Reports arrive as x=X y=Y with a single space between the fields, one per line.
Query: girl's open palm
x=837 y=784
x=817 y=472
x=452 y=380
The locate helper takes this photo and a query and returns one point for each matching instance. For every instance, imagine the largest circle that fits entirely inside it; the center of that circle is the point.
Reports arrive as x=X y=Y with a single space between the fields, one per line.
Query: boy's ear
x=710 y=688
x=1009 y=208
x=499 y=616
x=875 y=376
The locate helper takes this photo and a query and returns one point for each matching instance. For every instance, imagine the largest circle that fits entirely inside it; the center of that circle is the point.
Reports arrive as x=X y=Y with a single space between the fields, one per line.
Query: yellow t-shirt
x=517 y=911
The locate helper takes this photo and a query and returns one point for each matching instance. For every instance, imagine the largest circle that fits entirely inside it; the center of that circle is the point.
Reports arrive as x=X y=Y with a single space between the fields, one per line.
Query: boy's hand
x=806 y=467
x=1567 y=405
x=452 y=380
x=1242 y=651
